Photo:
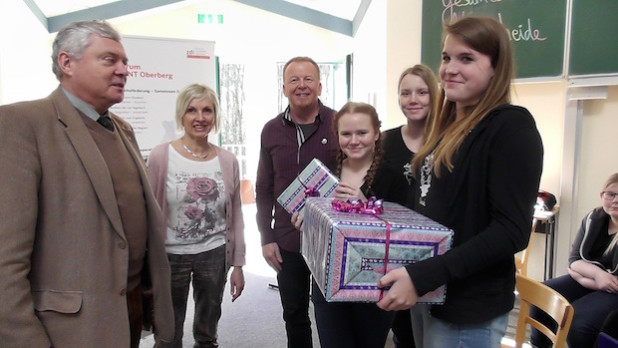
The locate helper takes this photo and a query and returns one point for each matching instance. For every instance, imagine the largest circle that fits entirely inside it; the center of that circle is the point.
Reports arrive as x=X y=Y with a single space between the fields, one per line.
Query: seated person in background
x=591 y=284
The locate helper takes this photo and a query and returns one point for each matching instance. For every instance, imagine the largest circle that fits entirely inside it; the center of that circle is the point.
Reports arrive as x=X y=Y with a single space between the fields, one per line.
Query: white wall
x=599 y=151
x=25 y=50
x=546 y=102
x=387 y=42
x=370 y=48
x=403 y=50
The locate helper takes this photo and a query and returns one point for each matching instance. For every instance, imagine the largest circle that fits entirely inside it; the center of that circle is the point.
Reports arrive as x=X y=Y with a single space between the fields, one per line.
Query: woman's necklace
x=194 y=154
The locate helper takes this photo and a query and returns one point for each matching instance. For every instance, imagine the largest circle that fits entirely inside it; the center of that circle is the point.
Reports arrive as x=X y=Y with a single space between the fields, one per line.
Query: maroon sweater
x=281 y=160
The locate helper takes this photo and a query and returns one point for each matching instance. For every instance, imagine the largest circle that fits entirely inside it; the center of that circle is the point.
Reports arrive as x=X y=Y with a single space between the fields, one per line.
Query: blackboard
x=594 y=30
x=536 y=28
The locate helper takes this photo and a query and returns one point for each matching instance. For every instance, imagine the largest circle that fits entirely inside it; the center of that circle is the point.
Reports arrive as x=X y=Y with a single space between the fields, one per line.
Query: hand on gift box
x=297 y=221
x=401 y=295
x=345 y=191
x=272 y=255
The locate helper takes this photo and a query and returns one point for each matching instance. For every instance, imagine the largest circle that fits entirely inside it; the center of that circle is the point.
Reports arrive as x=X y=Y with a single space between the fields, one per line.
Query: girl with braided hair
x=362 y=175
x=360 y=155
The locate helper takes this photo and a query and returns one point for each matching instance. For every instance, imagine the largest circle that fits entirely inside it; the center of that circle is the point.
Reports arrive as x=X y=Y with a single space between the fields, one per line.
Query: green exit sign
x=207 y=18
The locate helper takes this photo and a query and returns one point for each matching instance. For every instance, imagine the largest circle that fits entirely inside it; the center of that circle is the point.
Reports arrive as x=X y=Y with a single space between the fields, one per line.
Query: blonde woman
x=197 y=185
x=418 y=94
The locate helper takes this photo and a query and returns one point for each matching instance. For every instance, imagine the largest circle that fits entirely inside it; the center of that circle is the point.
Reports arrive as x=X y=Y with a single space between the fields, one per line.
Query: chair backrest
x=521 y=260
x=532 y=292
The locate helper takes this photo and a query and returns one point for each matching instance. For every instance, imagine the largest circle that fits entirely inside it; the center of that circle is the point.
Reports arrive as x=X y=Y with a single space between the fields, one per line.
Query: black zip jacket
x=488 y=200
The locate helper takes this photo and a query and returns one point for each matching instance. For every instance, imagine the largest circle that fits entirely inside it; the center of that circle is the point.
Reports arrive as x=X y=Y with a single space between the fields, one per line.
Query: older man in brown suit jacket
x=80 y=231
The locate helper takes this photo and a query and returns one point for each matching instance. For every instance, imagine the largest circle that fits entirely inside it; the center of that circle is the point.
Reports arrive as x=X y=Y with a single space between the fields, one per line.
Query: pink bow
x=373 y=206
x=312 y=192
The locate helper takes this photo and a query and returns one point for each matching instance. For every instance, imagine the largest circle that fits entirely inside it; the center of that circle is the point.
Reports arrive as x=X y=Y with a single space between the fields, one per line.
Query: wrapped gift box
x=315 y=176
x=346 y=251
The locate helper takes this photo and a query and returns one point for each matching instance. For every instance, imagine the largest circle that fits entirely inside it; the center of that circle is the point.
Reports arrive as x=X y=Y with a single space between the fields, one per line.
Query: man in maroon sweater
x=288 y=143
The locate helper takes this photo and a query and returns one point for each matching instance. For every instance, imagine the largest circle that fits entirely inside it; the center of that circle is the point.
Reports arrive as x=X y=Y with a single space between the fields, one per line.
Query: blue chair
x=607 y=341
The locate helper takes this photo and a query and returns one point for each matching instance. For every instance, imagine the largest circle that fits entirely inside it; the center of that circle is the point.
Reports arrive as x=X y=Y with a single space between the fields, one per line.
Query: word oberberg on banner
x=348 y=253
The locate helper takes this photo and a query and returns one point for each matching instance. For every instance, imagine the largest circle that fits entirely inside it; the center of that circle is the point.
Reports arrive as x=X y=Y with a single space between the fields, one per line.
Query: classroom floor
x=254 y=320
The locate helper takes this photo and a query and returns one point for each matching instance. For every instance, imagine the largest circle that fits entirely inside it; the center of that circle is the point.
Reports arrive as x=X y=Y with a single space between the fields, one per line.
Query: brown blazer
x=63 y=251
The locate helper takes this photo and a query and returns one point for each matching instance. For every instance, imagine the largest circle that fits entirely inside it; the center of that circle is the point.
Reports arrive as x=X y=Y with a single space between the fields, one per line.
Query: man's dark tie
x=106 y=122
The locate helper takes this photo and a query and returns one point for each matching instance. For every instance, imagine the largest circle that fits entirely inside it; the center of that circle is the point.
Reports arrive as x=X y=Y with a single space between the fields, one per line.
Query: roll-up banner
x=158 y=69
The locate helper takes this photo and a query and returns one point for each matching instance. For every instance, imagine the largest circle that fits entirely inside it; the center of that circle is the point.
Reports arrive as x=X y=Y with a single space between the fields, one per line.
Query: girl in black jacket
x=478 y=173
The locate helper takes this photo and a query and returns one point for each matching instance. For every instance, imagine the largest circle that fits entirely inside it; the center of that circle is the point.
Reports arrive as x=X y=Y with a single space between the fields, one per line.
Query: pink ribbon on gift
x=312 y=192
x=309 y=191
x=373 y=207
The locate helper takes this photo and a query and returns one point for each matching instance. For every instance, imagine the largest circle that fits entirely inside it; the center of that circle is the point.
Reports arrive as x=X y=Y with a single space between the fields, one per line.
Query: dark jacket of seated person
x=593 y=298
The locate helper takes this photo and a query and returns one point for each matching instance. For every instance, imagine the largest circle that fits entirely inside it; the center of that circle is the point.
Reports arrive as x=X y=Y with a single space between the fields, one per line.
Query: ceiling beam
x=107 y=11
x=36 y=11
x=360 y=15
x=303 y=14
x=281 y=7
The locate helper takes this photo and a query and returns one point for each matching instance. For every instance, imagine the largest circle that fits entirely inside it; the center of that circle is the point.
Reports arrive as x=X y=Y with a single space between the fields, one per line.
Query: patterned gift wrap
x=315 y=176
x=346 y=251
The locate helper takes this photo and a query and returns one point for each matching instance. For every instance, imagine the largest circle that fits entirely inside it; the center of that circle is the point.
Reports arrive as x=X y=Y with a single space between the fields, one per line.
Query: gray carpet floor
x=254 y=319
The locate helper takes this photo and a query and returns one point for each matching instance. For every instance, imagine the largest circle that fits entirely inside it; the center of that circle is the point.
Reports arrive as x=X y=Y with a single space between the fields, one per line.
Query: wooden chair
x=532 y=292
x=521 y=259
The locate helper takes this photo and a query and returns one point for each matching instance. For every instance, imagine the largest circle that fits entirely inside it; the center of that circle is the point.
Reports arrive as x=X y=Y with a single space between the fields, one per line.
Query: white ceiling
x=343 y=16
x=339 y=8
x=52 y=8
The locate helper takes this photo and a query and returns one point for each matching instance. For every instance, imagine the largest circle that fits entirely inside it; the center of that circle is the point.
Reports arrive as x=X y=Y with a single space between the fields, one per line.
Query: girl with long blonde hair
x=478 y=173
